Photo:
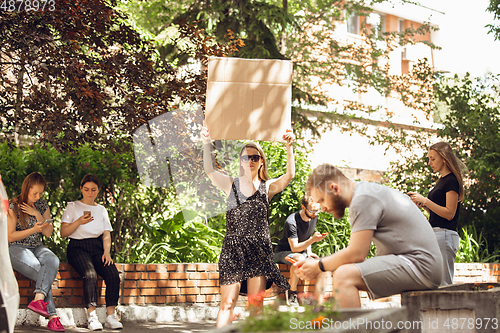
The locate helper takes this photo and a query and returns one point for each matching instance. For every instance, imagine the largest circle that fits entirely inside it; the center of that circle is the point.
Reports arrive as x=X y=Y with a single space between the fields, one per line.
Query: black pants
x=85 y=255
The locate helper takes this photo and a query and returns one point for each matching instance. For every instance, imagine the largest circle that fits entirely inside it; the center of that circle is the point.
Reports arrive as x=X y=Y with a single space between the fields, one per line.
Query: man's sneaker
x=94 y=323
x=55 y=325
x=39 y=307
x=292 y=299
x=112 y=322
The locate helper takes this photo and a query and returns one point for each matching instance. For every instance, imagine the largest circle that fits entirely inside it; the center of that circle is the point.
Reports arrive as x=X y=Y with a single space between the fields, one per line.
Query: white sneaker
x=291 y=298
x=112 y=322
x=94 y=323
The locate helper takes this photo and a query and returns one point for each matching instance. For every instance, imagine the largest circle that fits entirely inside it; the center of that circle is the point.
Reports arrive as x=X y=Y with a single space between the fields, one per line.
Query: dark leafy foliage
x=80 y=74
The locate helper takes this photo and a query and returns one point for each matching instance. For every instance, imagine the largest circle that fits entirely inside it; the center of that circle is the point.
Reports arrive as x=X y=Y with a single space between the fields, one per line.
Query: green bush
x=149 y=224
x=474 y=247
x=129 y=204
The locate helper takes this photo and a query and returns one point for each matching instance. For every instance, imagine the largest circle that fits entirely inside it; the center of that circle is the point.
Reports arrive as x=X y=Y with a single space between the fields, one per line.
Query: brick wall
x=476 y=272
x=162 y=284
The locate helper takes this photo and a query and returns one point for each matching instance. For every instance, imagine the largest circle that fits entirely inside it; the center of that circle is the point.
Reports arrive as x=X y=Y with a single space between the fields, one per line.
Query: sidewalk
x=175 y=319
x=144 y=315
x=169 y=319
x=134 y=327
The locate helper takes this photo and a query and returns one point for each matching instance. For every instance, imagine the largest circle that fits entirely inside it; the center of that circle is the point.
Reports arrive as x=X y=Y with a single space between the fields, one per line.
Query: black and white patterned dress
x=32 y=240
x=247 y=250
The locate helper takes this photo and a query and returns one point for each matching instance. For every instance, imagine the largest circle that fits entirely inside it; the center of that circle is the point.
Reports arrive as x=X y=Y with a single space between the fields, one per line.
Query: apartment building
x=351 y=151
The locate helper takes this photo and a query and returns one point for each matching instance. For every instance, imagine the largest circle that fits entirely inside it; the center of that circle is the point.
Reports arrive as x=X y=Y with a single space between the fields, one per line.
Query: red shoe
x=55 y=325
x=39 y=307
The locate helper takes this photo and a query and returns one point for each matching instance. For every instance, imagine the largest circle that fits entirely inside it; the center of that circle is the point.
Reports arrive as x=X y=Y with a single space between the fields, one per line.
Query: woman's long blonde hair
x=31 y=180
x=263 y=175
x=453 y=163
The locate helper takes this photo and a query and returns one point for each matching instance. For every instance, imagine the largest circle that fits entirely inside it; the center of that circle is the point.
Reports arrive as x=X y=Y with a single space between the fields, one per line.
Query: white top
x=74 y=210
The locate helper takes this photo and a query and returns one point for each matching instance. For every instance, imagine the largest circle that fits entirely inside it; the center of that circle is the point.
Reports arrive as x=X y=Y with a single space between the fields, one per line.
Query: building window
x=352 y=22
x=382 y=28
x=377 y=22
x=401 y=25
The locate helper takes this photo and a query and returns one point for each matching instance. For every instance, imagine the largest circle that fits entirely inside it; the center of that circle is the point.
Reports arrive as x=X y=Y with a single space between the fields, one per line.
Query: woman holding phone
x=246 y=262
x=443 y=203
x=87 y=225
x=28 y=219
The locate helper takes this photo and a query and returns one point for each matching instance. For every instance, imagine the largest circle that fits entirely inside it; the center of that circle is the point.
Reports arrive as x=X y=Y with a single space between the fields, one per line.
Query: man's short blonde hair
x=322 y=174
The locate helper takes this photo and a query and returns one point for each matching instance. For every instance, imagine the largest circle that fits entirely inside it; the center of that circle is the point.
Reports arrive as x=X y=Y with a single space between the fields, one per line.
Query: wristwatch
x=321 y=267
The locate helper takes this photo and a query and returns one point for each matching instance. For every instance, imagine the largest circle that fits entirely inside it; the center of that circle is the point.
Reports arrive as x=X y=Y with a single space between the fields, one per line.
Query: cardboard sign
x=248 y=99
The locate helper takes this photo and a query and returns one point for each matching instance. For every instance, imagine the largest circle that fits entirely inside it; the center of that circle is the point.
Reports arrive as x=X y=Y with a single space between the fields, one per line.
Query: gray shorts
x=388 y=275
x=279 y=257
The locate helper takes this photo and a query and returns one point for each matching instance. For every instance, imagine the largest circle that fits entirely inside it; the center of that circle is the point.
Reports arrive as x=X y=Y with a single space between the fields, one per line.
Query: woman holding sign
x=246 y=261
x=28 y=219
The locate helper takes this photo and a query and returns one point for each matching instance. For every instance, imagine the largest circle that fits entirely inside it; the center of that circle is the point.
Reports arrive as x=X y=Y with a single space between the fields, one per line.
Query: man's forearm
x=342 y=257
x=302 y=245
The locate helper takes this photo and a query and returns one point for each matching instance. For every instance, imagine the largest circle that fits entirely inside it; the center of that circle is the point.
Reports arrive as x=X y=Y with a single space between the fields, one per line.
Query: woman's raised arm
x=279 y=184
x=220 y=180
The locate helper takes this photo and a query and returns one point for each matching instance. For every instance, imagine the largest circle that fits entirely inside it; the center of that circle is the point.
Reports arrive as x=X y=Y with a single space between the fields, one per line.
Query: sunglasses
x=246 y=158
x=313 y=211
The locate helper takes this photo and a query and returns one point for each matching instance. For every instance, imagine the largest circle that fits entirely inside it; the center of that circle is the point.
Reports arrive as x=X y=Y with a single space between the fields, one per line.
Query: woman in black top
x=443 y=203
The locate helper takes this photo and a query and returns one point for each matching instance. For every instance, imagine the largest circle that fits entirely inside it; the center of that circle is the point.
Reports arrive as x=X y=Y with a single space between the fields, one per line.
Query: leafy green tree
x=470 y=125
x=494 y=7
x=254 y=22
x=80 y=73
x=82 y=80
x=302 y=31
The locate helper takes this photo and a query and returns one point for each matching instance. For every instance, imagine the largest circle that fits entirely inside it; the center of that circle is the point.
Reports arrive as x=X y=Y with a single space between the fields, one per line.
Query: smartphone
x=86 y=212
x=48 y=221
x=293 y=261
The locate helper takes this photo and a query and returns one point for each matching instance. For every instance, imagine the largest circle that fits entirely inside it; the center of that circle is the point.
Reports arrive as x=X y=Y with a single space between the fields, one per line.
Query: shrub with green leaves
x=149 y=224
x=474 y=247
x=126 y=201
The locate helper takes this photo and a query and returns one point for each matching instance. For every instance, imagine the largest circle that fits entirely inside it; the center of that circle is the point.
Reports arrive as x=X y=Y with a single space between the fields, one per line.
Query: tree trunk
x=19 y=101
x=283 y=35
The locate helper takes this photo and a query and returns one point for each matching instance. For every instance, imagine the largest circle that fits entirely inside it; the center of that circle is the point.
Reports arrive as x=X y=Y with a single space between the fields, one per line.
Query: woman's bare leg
x=256 y=286
x=229 y=296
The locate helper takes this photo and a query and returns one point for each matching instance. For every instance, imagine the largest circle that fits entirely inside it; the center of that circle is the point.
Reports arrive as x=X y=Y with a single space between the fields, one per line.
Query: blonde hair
x=31 y=180
x=322 y=174
x=263 y=175
x=453 y=163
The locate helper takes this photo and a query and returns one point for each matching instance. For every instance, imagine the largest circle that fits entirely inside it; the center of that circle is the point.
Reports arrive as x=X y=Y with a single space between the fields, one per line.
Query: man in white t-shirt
x=408 y=256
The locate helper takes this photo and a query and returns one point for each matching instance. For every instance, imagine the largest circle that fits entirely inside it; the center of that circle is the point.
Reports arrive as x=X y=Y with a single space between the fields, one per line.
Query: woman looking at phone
x=87 y=225
x=25 y=226
x=246 y=262
x=443 y=203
